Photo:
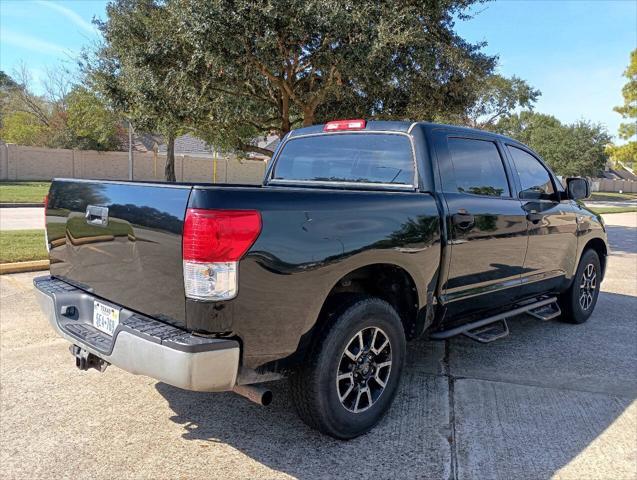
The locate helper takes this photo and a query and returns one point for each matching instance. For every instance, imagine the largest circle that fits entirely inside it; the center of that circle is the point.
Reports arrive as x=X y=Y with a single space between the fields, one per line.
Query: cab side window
x=535 y=179
x=478 y=167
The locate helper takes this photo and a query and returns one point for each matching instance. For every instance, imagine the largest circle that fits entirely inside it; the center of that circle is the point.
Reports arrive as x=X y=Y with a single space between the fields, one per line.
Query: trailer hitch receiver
x=85 y=359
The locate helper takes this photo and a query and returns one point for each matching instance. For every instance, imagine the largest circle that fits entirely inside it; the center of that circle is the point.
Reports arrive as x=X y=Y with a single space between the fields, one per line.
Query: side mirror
x=578 y=188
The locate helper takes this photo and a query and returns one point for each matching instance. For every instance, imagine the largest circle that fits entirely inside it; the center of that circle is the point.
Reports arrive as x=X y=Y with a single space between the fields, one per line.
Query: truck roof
x=398 y=126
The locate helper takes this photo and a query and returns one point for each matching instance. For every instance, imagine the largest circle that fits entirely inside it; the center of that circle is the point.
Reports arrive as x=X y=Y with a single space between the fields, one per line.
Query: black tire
x=579 y=301
x=321 y=400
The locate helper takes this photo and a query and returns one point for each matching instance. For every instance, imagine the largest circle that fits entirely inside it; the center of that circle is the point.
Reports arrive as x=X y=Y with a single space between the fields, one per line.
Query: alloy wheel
x=364 y=369
x=588 y=285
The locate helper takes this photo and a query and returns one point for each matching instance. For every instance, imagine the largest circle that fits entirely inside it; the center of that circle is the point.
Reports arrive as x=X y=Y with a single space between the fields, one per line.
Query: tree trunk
x=285 y=114
x=170 y=160
x=308 y=116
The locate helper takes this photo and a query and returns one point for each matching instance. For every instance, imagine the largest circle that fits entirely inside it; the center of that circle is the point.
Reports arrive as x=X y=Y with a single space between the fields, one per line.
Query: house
x=193 y=146
x=618 y=173
x=184 y=145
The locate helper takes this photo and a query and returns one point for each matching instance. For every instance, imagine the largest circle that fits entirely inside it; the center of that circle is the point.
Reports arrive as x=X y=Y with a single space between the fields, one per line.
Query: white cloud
x=32 y=43
x=70 y=14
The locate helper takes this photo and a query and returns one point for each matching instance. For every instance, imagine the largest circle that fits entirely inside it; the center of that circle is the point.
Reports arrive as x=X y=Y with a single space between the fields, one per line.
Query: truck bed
x=310 y=238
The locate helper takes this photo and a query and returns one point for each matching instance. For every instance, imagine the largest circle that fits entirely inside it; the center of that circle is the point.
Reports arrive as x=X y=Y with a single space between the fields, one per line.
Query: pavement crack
x=453 y=474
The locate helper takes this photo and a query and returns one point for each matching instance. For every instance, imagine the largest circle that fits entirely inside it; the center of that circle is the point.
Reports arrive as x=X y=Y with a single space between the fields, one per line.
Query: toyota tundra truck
x=362 y=236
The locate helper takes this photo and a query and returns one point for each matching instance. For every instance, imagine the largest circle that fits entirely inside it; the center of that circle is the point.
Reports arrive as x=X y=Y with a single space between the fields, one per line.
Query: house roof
x=619 y=174
x=184 y=144
x=188 y=144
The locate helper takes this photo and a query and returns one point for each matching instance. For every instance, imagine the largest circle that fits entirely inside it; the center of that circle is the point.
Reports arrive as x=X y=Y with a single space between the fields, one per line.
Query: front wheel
x=579 y=301
x=353 y=372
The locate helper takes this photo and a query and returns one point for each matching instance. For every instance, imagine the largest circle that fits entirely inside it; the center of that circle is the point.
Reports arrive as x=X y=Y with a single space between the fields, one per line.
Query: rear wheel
x=579 y=301
x=353 y=371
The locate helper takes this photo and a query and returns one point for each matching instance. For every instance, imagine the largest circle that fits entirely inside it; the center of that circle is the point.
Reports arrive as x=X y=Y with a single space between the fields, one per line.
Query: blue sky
x=574 y=51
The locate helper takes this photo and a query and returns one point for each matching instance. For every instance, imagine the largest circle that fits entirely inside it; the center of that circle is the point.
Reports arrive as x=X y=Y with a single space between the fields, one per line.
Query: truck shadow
x=511 y=402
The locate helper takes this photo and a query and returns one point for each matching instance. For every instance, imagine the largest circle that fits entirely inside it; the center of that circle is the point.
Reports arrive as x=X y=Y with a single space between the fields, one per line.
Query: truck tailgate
x=120 y=241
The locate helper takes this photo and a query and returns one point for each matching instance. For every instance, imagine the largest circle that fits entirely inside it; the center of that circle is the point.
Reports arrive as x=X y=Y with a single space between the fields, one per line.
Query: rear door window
x=478 y=167
x=355 y=157
x=534 y=178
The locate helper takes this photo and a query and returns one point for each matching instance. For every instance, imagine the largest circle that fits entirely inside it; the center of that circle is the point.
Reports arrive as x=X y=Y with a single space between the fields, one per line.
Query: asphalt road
x=550 y=400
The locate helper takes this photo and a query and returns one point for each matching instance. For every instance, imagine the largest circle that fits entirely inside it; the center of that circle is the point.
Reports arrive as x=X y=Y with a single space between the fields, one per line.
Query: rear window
x=364 y=158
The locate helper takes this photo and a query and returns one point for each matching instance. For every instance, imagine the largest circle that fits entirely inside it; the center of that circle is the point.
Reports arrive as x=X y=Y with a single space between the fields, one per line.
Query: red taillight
x=357 y=124
x=219 y=235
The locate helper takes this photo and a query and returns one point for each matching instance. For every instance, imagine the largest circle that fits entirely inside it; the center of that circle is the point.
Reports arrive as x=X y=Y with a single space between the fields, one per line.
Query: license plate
x=105 y=318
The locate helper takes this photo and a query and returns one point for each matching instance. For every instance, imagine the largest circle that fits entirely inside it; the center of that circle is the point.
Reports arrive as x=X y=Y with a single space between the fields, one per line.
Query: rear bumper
x=140 y=345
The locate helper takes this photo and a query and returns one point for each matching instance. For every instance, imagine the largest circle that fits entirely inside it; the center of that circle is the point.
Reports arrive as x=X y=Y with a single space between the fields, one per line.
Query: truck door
x=486 y=224
x=552 y=224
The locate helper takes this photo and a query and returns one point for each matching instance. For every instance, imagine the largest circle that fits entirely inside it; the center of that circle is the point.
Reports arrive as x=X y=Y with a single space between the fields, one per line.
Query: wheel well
x=386 y=281
x=599 y=246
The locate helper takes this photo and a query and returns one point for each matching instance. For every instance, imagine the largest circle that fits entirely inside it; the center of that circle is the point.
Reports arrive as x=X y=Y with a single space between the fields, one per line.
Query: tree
x=627 y=153
x=24 y=129
x=141 y=68
x=7 y=89
x=495 y=98
x=19 y=97
x=25 y=115
x=232 y=71
x=575 y=149
x=91 y=125
x=6 y=82
x=66 y=116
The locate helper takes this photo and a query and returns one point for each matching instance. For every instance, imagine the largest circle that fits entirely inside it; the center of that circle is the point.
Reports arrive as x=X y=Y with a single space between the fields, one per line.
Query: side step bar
x=547 y=312
x=488 y=335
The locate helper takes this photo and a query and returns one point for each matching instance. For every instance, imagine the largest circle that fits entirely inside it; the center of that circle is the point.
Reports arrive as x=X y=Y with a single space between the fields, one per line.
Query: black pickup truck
x=364 y=234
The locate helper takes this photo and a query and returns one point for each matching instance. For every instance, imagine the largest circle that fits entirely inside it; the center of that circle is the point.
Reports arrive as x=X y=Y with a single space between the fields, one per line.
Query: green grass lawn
x=601 y=210
x=612 y=196
x=23 y=192
x=22 y=245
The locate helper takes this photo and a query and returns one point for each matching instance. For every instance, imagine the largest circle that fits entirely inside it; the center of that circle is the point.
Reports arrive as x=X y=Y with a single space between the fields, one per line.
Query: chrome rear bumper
x=141 y=345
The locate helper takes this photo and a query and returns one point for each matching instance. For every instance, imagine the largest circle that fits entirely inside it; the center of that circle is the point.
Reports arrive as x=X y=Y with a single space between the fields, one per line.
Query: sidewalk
x=21 y=218
x=611 y=204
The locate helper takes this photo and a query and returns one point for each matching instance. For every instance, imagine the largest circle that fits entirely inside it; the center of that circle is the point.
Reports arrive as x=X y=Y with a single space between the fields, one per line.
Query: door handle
x=463 y=220
x=96 y=215
x=534 y=217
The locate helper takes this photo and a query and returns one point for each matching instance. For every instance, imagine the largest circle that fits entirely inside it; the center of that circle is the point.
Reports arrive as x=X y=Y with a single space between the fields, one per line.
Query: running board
x=489 y=333
x=547 y=312
x=469 y=327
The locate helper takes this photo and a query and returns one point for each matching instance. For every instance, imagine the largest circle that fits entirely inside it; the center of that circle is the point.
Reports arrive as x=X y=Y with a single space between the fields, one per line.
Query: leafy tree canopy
x=6 y=82
x=142 y=69
x=90 y=124
x=64 y=117
x=495 y=98
x=234 y=70
x=627 y=153
x=23 y=128
x=311 y=60
x=570 y=150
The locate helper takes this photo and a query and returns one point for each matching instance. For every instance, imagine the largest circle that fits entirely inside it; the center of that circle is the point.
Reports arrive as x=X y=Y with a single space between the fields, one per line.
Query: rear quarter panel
x=311 y=238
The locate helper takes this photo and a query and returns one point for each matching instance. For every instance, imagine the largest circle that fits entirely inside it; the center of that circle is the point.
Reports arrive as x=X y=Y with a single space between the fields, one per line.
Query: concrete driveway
x=550 y=400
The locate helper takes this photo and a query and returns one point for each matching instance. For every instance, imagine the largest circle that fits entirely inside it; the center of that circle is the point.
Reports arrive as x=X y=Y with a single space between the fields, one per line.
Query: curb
x=21 y=205
x=19 y=267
